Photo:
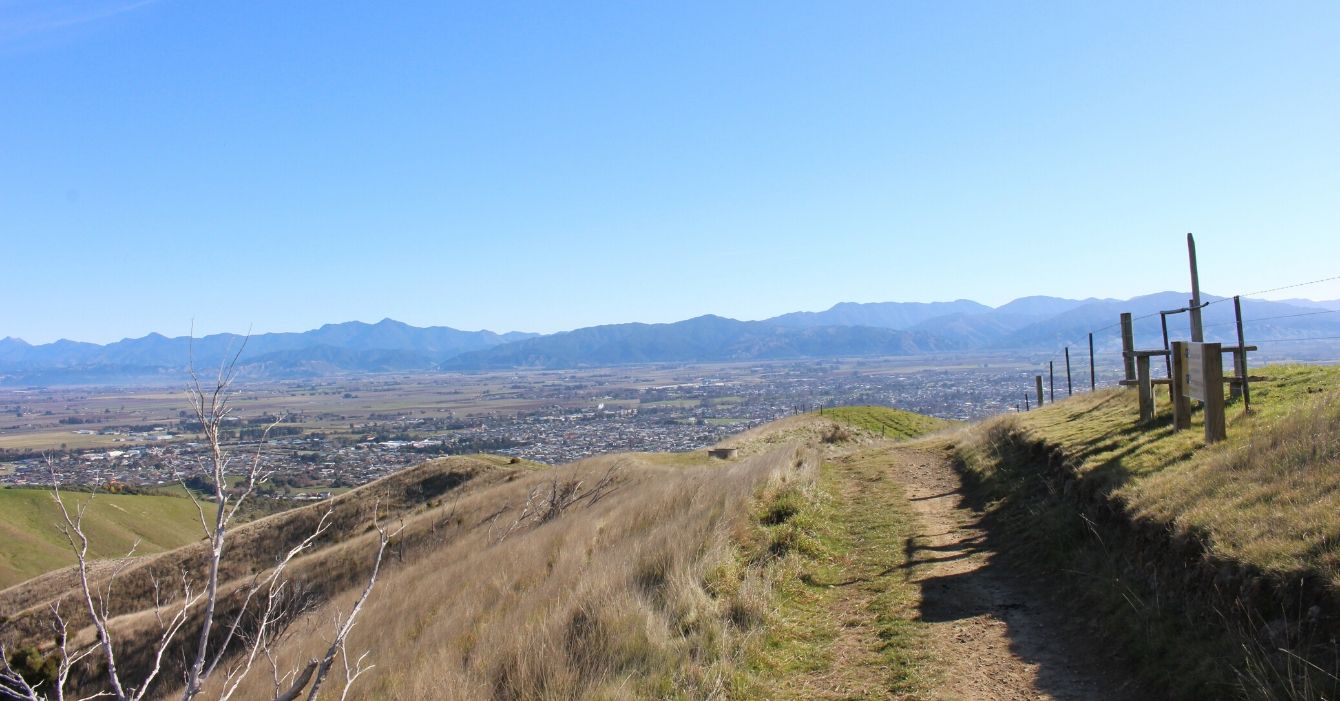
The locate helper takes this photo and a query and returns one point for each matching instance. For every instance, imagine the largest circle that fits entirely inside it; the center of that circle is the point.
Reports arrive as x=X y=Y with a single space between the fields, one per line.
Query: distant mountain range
x=845 y=330
x=703 y=339
x=353 y=346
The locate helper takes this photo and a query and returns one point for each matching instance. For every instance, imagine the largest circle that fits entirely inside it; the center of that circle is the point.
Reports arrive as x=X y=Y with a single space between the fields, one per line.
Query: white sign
x=1193 y=366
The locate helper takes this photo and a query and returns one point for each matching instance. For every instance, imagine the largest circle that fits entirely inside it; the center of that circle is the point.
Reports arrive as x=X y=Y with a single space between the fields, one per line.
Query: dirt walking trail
x=993 y=629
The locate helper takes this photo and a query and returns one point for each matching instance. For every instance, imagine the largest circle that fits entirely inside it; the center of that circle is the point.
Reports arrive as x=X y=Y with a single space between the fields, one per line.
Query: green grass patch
x=886 y=422
x=30 y=543
x=842 y=590
x=1268 y=497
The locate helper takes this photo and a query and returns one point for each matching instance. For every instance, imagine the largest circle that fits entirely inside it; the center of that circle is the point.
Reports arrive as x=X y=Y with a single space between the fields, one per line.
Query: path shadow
x=979 y=581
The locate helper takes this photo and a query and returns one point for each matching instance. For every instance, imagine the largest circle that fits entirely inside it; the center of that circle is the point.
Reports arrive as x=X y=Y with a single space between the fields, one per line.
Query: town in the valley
x=328 y=435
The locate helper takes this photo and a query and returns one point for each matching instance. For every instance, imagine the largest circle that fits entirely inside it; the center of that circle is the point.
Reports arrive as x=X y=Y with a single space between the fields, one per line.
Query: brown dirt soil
x=995 y=630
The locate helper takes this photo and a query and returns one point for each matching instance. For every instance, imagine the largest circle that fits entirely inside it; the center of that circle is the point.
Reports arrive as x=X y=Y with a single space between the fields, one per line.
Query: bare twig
x=269 y=603
x=343 y=627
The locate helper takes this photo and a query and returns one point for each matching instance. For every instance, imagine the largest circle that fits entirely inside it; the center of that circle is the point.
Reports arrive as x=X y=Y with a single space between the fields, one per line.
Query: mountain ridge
x=845 y=329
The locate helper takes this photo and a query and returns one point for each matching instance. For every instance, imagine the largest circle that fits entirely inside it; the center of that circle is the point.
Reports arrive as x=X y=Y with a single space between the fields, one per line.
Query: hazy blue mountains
x=1028 y=324
x=353 y=346
x=884 y=315
x=702 y=339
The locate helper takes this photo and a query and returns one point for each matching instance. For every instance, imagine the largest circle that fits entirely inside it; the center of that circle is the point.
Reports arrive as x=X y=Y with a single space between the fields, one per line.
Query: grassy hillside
x=1219 y=565
x=31 y=545
x=681 y=579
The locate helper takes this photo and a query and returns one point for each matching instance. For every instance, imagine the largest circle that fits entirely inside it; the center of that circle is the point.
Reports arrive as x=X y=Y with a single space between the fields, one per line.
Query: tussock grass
x=341 y=561
x=655 y=591
x=1218 y=566
x=684 y=578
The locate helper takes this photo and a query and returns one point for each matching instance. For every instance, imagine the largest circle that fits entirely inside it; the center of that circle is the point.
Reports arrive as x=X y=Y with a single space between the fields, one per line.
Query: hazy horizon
x=1281 y=296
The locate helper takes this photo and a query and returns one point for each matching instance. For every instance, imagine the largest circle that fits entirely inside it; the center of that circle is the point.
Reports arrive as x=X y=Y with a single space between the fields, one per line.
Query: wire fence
x=1093 y=358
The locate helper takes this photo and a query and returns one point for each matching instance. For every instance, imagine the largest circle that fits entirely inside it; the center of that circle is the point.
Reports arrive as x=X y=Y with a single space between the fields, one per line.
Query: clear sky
x=549 y=165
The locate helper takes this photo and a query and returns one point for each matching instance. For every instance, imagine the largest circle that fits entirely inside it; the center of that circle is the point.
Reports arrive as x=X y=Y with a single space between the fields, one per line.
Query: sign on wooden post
x=1203 y=379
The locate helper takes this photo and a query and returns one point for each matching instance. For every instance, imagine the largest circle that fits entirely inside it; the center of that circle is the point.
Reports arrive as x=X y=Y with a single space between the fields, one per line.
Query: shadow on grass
x=971 y=579
x=1088 y=571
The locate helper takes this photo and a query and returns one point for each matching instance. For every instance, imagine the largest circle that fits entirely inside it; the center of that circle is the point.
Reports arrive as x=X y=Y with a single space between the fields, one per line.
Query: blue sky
x=543 y=166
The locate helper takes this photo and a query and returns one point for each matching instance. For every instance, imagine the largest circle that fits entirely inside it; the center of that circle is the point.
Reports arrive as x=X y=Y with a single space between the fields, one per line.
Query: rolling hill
x=663 y=580
x=32 y=545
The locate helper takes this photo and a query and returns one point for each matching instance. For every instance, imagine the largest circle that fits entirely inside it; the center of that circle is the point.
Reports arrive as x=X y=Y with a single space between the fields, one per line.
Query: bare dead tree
x=547 y=501
x=269 y=601
x=14 y=686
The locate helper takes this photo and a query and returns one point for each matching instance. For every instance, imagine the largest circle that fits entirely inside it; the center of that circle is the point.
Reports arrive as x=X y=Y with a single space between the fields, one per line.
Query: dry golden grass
x=641 y=594
x=661 y=583
x=339 y=562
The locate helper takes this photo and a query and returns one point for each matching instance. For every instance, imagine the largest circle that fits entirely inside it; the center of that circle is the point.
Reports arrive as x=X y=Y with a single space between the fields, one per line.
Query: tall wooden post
x=1128 y=345
x=1037 y=380
x=1026 y=406
x=1093 y=377
x=1180 y=403
x=1146 y=389
x=1240 y=359
x=1069 y=388
x=1167 y=358
x=1216 y=428
x=1197 y=331
x=1051 y=381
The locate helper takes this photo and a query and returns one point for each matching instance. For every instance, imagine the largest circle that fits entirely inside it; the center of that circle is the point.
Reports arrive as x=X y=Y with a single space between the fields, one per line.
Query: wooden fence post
x=1146 y=389
x=1167 y=359
x=1037 y=380
x=1093 y=377
x=1180 y=403
x=1069 y=388
x=1216 y=428
x=1128 y=345
x=1051 y=382
x=1240 y=360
